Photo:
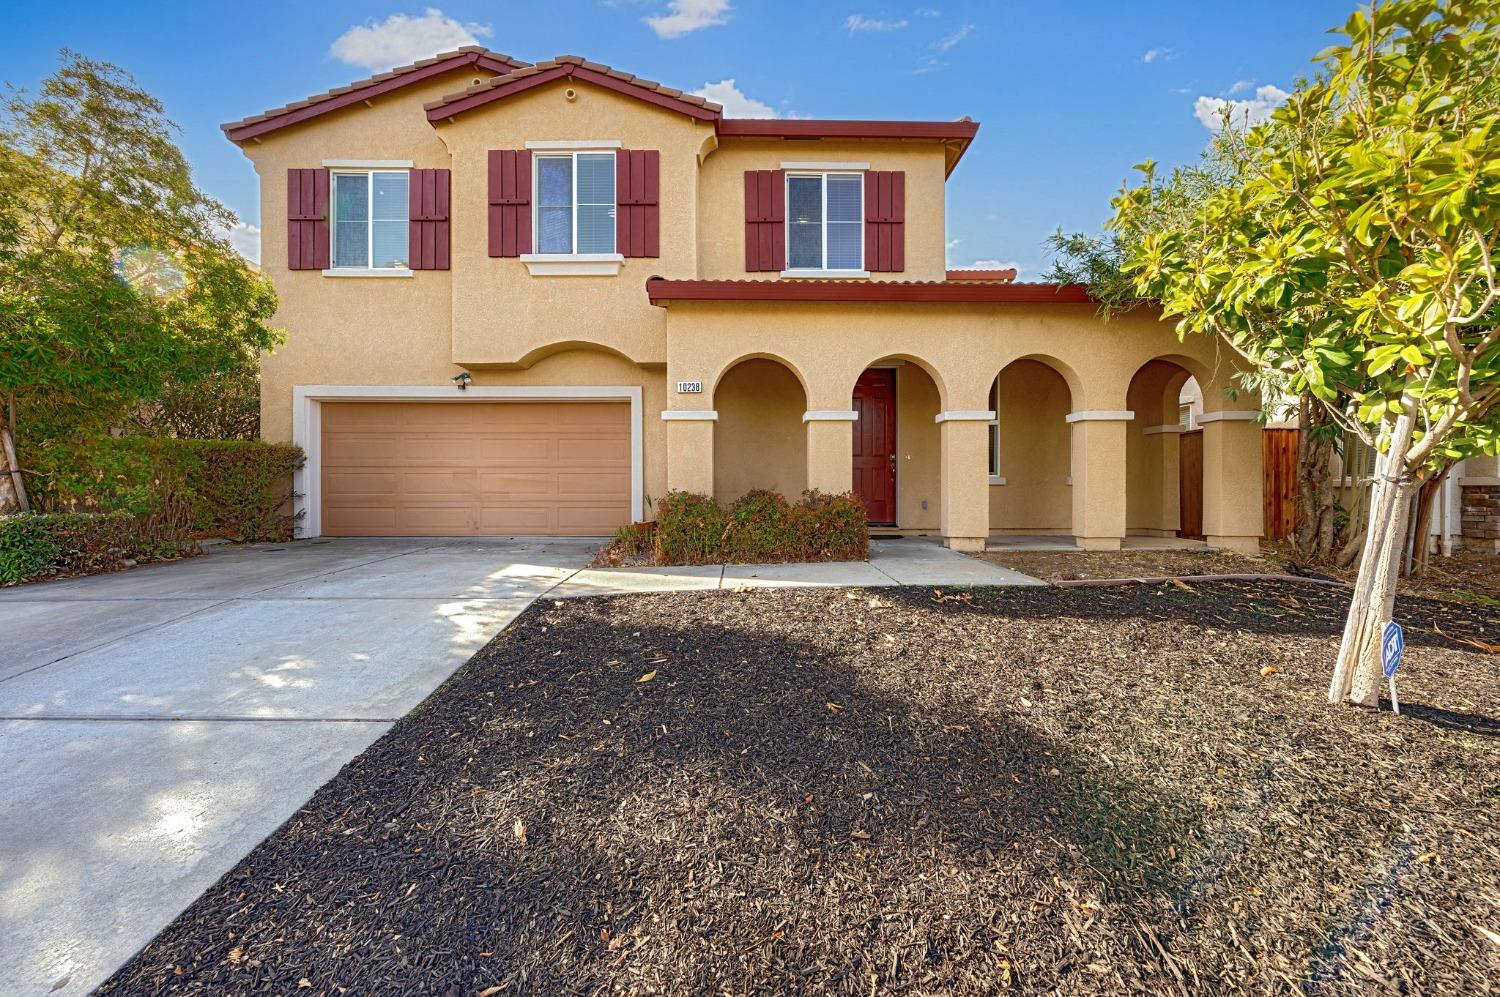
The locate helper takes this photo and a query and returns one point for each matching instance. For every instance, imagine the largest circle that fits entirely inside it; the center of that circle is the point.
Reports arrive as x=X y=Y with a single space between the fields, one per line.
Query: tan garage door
x=475 y=468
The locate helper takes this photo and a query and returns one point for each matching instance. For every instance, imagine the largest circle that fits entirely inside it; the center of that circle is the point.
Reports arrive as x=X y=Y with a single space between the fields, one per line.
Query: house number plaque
x=690 y=387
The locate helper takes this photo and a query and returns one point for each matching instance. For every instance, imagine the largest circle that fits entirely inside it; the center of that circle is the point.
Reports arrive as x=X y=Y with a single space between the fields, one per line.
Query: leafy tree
x=1369 y=212
x=115 y=277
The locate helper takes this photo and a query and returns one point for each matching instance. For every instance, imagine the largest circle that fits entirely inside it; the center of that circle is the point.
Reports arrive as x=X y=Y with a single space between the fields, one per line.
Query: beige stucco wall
x=504 y=315
x=759 y=438
x=722 y=197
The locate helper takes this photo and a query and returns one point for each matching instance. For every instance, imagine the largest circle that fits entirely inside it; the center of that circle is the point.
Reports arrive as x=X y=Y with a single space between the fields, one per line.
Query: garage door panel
x=513 y=484
x=593 y=449
x=414 y=468
x=350 y=483
x=358 y=520
x=590 y=484
x=591 y=520
x=363 y=449
x=518 y=449
x=436 y=481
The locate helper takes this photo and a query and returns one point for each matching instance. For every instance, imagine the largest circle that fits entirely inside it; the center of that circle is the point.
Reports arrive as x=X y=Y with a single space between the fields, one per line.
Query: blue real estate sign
x=1392 y=646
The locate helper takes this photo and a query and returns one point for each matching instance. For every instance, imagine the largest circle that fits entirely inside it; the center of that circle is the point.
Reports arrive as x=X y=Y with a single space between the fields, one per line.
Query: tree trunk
x=1356 y=674
x=13 y=496
x=1427 y=499
x=1315 y=504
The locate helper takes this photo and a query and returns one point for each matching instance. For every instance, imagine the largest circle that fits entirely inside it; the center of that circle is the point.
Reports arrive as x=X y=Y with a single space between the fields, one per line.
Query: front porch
x=989 y=452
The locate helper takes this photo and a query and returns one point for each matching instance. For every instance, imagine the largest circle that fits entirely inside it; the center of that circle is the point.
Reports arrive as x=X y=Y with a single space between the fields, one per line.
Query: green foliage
x=221 y=406
x=761 y=527
x=235 y=488
x=37 y=546
x=115 y=277
x=1351 y=256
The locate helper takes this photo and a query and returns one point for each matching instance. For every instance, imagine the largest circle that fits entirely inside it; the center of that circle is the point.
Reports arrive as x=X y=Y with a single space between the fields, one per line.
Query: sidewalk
x=904 y=561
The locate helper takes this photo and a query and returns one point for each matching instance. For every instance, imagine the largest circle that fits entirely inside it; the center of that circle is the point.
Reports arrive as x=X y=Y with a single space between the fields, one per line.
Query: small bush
x=41 y=545
x=235 y=488
x=760 y=527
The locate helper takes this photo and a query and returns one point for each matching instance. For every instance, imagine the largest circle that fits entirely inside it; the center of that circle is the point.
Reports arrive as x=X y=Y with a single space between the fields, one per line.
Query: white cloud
x=858 y=22
x=244 y=239
x=689 y=15
x=734 y=101
x=1242 y=113
x=946 y=43
x=1239 y=85
x=927 y=12
x=402 y=38
x=1154 y=54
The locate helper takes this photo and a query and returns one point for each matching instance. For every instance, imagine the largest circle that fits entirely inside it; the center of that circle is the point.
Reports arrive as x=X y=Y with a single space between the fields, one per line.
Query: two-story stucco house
x=525 y=299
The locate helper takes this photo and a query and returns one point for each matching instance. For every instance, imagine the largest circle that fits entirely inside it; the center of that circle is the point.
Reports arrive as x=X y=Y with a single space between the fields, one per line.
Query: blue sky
x=1068 y=94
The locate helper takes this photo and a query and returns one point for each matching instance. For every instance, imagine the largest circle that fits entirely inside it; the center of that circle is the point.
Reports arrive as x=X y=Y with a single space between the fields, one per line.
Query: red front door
x=875 y=444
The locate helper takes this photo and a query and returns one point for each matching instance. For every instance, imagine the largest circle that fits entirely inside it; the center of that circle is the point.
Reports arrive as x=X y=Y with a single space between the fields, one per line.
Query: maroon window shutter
x=510 y=202
x=637 y=207
x=885 y=220
x=765 y=220
x=307 y=246
x=428 y=197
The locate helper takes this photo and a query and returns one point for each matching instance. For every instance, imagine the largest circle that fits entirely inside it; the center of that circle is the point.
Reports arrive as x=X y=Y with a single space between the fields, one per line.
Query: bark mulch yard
x=1467 y=576
x=1086 y=791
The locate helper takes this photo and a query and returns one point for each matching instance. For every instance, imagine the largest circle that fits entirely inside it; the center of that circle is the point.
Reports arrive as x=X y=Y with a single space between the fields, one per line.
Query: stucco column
x=1233 y=514
x=1161 y=451
x=1099 y=478
x=690 y=450
x=830 y=450
x=965 y=478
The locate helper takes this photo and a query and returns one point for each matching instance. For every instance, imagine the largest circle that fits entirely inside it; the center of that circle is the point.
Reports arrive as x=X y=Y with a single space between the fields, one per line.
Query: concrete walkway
x=156 y=724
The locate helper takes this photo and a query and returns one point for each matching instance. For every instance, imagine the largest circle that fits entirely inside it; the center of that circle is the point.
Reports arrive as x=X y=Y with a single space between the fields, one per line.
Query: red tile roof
x=525 y=78
x=660 y=290
x=353 y=93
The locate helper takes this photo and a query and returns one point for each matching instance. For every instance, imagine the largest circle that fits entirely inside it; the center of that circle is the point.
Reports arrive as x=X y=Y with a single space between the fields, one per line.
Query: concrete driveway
x=156 y=724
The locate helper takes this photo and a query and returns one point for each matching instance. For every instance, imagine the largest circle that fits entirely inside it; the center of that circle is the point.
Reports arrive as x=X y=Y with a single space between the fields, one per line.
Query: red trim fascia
x=660 y=290
x=242 y=133
x=443 y=112
x=803 y=128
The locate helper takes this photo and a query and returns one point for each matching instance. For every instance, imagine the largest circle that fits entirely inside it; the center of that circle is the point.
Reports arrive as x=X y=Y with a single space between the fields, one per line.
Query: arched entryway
x=759 y=439
x=1030 y=462
x=1164 y=462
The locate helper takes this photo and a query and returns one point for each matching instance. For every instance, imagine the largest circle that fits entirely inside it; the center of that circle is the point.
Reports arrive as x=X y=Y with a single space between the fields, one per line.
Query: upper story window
x=370 y=220
x=825 y=221
x=575 y=203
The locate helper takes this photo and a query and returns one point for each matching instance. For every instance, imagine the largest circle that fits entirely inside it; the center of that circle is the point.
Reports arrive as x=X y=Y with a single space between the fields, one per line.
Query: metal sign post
x=1392 y=646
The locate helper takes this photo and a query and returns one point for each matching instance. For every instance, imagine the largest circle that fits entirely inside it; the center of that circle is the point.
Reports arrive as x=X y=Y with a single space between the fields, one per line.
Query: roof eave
x=660 y=291
x=257 y=125
x=955 y=136
x=452 y=105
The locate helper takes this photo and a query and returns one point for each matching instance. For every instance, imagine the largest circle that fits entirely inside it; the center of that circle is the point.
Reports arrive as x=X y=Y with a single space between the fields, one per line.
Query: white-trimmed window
x=575 y=203
x=825 y=222
x=994 y=432
x=369 y=220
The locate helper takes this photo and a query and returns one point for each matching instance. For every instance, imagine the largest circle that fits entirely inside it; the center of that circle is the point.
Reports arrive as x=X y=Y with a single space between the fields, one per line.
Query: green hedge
x=235 y=488
x=42 y=545
x=761 y=527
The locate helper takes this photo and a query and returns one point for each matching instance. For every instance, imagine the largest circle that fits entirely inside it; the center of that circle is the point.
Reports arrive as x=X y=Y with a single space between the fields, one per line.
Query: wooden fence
x=1278 y=451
